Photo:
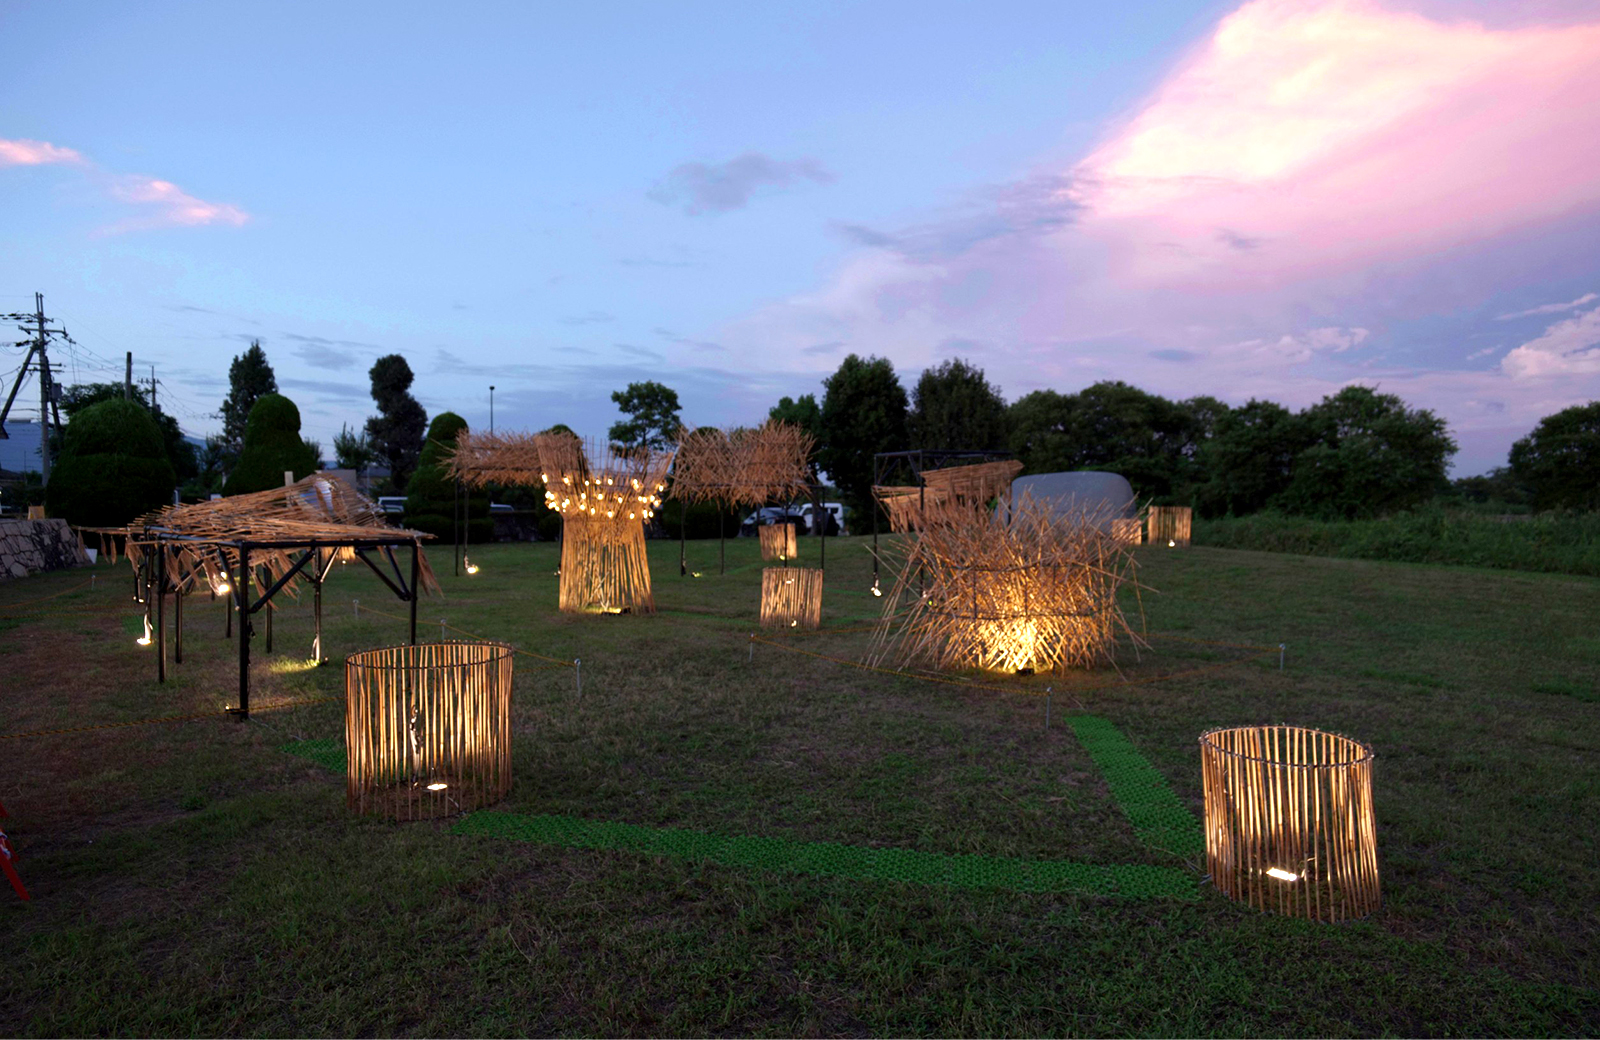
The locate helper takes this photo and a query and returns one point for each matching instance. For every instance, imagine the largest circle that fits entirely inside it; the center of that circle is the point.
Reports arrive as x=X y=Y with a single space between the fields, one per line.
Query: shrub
x=431 y=498
x=113 y=467
x=272 y=446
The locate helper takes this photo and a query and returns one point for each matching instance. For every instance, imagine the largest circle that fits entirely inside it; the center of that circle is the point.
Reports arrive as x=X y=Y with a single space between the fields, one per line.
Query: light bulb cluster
x=602 y=496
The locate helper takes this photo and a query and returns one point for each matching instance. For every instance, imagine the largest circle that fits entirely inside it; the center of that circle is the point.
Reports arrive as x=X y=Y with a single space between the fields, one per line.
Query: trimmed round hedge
x=431 y=498
x=113 y=467
x=272 y=445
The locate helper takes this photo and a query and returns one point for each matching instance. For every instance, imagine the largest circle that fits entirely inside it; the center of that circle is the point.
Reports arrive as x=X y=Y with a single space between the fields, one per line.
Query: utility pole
x=127 y=379
x=39 y=344
x=154 y=408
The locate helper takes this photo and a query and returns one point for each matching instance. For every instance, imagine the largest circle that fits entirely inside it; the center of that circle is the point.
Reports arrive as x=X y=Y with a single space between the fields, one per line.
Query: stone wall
x=30 y=546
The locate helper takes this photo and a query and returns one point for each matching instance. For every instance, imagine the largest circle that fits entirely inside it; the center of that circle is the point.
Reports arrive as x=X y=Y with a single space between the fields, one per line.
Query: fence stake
x=357 y=604
x=577 y=667
x=1282 y=647
x=1048 y=690
x=752 y=658
x=441 y=630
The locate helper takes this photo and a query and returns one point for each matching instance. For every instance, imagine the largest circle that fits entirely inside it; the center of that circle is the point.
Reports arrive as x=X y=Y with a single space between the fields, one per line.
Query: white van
x=836 y=509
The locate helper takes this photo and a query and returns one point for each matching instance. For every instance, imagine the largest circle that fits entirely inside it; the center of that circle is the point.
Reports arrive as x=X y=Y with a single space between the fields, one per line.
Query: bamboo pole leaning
x=1289 y=821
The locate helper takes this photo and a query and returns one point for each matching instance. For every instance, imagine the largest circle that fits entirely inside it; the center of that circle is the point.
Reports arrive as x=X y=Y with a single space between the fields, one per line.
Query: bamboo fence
x=428 y=728
x=604 y=494
x=1289 y=821
x=1128 y=530
x=779 y=542
x=791 y=597
x=1170 y=525
x=1029 y=589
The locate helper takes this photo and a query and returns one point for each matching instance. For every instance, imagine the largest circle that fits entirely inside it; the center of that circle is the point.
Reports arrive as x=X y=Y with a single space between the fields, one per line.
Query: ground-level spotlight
x=472 y=568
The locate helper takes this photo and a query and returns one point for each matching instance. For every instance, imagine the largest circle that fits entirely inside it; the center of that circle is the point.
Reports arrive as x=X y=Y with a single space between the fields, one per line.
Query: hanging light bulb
x=876 y=591
x=144 y=640
x=222 y=588
x=1171 y=544
x=437 y=787
x=1281 y=874
x=472 y=568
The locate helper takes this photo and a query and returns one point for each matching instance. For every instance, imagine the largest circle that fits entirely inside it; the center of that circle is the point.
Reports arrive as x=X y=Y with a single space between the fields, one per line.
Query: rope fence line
x=481 y=639
x=965 y=684
x=53 y=595
x=166 y=718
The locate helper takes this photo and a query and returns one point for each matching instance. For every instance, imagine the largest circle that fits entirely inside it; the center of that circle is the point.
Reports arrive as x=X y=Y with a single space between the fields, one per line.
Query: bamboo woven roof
x=747 y=467
x=580 y=477
x=320 y=508
x=960 y=486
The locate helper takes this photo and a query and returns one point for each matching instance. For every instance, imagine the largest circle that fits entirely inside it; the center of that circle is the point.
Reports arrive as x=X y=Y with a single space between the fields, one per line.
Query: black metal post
x=455 y=519
x=316 y=609
x=177 y=624
x=161 y=612
x=268 y=611
x=416 y=573
x=722 y=541
x=683 y=536
x=241 y=591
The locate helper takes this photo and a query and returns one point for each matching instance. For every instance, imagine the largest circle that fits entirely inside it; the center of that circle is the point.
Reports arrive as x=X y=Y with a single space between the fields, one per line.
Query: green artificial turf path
x=1144 y=797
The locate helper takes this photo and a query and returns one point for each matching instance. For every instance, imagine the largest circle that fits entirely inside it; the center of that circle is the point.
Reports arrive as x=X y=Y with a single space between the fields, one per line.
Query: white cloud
x=1550 y=308
x=1567 y=348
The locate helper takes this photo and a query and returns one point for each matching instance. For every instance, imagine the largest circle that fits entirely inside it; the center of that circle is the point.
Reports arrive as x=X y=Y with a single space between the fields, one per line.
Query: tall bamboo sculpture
x=1289 y=821
x=427 y=728
x=1170 y=525
x=605 y=495
x=747 y=467
x=1031 y=588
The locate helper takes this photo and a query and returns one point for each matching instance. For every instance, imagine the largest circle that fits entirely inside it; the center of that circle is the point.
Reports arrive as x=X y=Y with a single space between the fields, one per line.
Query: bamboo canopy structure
x=791 y=597
x=747 y=467
x=427 y=728
x=1289 y=821
x=604 y=494
x=779 y=542
x=1026 y=589
x=321 y=509
x=971 y=486
x=1170 y=525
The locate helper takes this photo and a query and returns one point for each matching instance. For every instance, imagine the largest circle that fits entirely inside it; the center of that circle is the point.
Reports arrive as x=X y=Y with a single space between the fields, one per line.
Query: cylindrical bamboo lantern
x=1289 y=821
x=779 y=542
x=605 y=566
x=427 y=728
x=1127 y=531
x=791 y=597
x=1169 y=525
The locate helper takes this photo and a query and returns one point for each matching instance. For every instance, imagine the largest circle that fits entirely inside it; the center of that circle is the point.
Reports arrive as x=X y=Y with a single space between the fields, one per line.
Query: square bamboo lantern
x=1127 y=530
x=1169 y=525
x=779 y=542
x=1289 y=821
x=427 y=728
x=791 y=597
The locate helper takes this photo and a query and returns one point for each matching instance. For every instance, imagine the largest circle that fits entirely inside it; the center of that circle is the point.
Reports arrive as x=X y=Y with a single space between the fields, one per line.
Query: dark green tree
x=863 y=412
x=1249 y=458
x=802 y=412
x=396 y=432
x=1369 y=454
x=272 y=447
x=1500 y=487
x=953 y=406
x=113 y=466
x=1559 y=461
x=652 y=416
x=249 y=378
x=211 y=463
x=1108 y=426
x=180 y=452
x=352 y=450
x=431 y=494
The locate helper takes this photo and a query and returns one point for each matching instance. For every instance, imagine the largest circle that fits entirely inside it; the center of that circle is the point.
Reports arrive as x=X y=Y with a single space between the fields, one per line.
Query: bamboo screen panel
x=1035 y=590
x=975 y=484
x=1169 y=525
x=604 y=566
x=1289 y=821
x=1128 y=531
x=427 y=728
x=791 y=597
x=906 y=504
x=779 y=542
x=746 y=467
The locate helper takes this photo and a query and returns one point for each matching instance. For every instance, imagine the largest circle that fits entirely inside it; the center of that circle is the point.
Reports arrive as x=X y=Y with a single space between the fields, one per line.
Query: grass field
x=193 y=878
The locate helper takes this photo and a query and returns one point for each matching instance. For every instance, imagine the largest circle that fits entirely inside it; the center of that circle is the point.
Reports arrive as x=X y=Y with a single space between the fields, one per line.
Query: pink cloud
x=35 y=153
x=167 y=204
x=173 y=205
x=1313 y=173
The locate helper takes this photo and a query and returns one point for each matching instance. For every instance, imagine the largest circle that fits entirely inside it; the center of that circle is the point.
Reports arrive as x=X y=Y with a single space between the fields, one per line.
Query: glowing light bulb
x=144 y=640
x=437 y=787
x=472 y=568
x=695 y=573
x=1282 y=875
x=222 y=588
x=877 y=591
x=1171 y=544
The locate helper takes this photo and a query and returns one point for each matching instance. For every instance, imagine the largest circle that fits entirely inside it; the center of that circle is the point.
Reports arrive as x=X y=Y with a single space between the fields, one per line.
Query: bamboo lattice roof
x=747 y=467
x=580 y=477
x=962 y=486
